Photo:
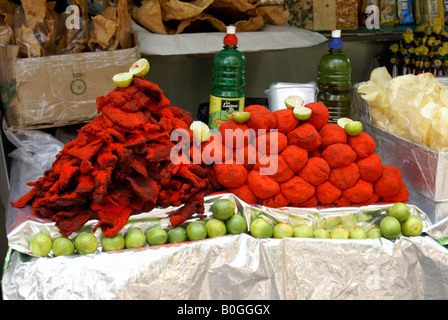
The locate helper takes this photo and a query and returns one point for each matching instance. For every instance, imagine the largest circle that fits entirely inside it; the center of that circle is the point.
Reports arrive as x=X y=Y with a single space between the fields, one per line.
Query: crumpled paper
x=175 y=16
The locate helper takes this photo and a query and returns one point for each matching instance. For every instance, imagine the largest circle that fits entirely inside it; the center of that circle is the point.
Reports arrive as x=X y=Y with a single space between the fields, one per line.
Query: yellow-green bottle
x=228 y=81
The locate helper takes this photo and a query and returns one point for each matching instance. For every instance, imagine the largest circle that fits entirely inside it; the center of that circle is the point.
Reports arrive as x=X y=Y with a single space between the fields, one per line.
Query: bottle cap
x=230 y=39
x=335 y=41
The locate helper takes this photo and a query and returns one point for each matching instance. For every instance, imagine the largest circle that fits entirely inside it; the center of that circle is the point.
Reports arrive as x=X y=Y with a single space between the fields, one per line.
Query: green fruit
x=349 y=221
x=236 y=224
x=374 y=233
x=357 y=233
x=215 y=228
x=302 y=113
x=332 y=222
x=63 y=247
x=140 y=68
x=260 y=228
x=339 y=233
x=223 y=209
x=41 y=245
x=156 y=236
x=176 y=235
x=400 y=211
x=294 y=101
x=412 y=227
x=86 y=243
x=196 y=231
x=122 y=80
x=282 y=230
x=116 y=242
x=240 y=117
x=303 y=231
x=353 y=128
x=321 y=234
x=135 y=238
x=343 y=122
x=390 y=227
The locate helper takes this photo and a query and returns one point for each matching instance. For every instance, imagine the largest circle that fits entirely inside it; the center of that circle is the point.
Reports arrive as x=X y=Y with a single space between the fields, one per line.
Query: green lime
x=116 y=242
x=282 y=230
x=339 y=233
x=41 y=245
x=412 y=227
x=332 y=222
x=240 y=117
x=122 y=80
x=135 y=238
x=294 y=101
x=196 y=231
x=215 y=228
x=63 y=247
x=374 y=233
x=303 y=231
x=353 y=128
x=223 y=209
x=260 y=228
x=321 y=234
x=390 y=227
x=236 y=224
x=302 y=113
x=349 y=221
x=156 y=236
x=343 y=121
x=400 y=211
x=140 y=68
x=86 y=243
x=357 y=233
x=176 y=235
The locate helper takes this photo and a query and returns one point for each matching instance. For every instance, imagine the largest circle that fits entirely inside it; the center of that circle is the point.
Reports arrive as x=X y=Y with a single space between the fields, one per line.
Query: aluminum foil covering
x=238 y=266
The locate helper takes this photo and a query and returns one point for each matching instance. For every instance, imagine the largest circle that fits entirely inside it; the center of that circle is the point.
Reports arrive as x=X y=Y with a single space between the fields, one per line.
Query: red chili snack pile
x=119 y=165
x=318 y=164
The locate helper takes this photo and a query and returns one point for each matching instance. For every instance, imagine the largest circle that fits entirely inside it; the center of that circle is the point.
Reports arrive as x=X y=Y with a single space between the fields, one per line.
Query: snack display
x=411 y=106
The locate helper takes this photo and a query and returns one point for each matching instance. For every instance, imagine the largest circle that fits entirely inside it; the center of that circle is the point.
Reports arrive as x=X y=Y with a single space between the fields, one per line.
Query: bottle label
x=221 y=107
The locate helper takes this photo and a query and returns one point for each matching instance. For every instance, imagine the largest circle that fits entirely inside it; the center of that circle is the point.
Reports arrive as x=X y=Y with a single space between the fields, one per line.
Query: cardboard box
x=323 y=14
x=425 y=171
x=57 y=90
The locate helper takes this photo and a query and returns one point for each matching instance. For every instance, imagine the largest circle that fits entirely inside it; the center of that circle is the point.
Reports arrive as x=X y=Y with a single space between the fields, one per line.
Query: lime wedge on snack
x=240 y=117
x=140 y=68
x=292 y=102
x=353 y=128
x=343 y=121
x=123 y=80
x=201 y=131
x=302 y=113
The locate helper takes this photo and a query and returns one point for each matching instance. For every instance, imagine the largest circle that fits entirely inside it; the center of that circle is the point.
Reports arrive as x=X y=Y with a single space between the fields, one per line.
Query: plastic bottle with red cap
x=334 y=79
x=228 y=81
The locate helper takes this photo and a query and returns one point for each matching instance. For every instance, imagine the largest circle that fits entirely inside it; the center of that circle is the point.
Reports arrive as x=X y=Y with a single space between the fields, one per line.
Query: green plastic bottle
x=334 y=79
x=228 y=81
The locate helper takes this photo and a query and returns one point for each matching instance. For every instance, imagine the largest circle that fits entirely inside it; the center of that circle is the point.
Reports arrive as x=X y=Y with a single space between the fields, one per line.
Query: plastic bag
x=34 y=147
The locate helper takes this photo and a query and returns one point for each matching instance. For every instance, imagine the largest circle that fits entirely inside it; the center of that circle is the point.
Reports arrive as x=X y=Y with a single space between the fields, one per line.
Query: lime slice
x=302 y=113
x=240 y=117
x=123 y=80
x=201 y=131
x=294 y=101
x=343 y=121
x=140 y=68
